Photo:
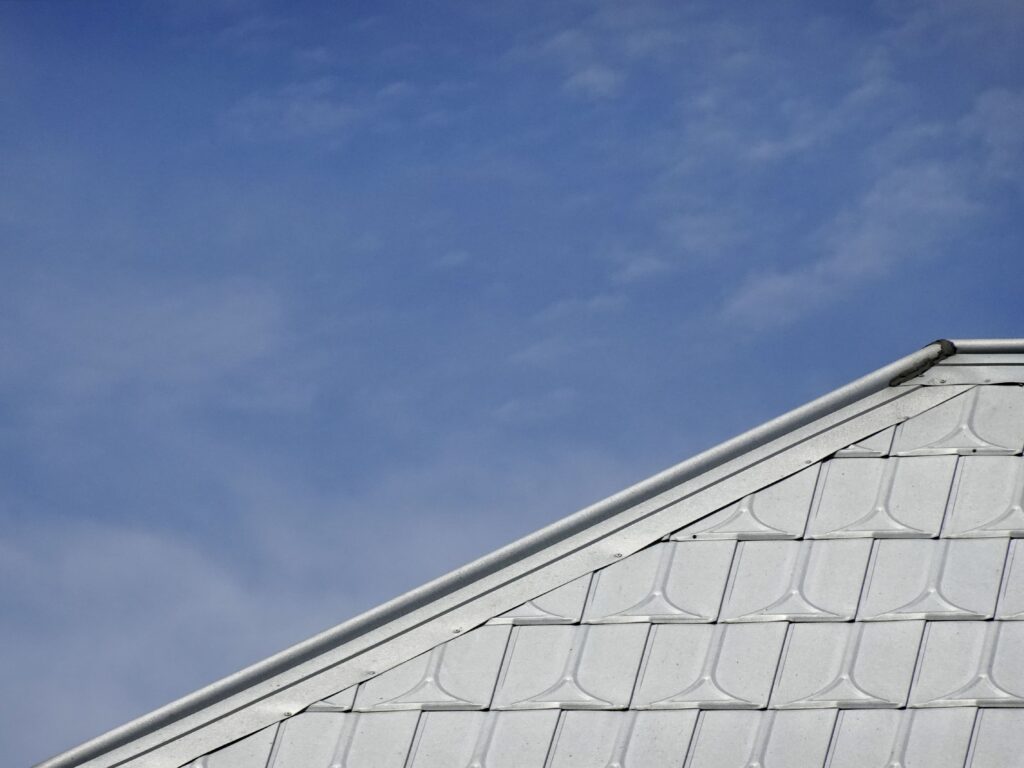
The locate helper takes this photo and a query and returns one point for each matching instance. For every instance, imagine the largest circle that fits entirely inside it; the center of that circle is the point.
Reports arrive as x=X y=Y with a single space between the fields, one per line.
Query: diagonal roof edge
x=164 y=725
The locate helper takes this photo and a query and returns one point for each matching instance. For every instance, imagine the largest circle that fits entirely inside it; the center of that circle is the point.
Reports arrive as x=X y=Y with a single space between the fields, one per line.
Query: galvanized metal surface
x=970 y=374
x=877 y=648
x=604 y=663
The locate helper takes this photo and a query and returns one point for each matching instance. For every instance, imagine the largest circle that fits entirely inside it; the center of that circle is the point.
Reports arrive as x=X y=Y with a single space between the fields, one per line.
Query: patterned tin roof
x=860 y=609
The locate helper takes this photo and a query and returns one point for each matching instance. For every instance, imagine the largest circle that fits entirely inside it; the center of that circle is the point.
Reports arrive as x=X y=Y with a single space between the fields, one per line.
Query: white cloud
x=900 y=220
x=997 y=122
x=302 y=110
x=594 y=80
x=70 y=344
x=571 y=308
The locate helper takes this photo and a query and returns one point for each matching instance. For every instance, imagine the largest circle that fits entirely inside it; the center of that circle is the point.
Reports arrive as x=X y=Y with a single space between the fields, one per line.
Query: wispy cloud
x=997 y=122
x=899 y=221
x=594 y=80
x=303 y=110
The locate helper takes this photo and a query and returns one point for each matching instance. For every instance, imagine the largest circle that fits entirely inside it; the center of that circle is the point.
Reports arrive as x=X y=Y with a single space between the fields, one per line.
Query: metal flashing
x=399 y=635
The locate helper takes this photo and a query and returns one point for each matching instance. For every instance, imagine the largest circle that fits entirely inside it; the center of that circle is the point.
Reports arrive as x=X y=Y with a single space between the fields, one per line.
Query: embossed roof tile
x=856 y=665
x=312 y=738
x=903 y=738
x=642 y=739
x=988 y=498
x=1011 y=598
x=998 y=739
x=559 y=606
x=983 y=420
x=481 y=739
x=778 y=511
x=697 y=666
x=667 y=582
x=875 y=446
x=933 y=579
x=796 y=580
x=252 y=750
x=753 y=739
x=459 y=674
x=339 y=702
x=885 y=498
x=970 y=663
x=579 y=667
x=364 y=740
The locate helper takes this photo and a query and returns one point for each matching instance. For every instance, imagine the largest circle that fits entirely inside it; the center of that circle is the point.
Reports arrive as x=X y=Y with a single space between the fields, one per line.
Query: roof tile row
x=937 y=738
x=909 y=497
x=712 y=666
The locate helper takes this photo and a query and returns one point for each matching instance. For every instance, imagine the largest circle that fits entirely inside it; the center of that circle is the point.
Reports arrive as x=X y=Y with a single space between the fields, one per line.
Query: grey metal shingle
x=933 y=579
x=667 y=582
x=988 y=498
x=491 y=739
x=970 y=663
x=983 y=420
x=882 y=498
x=796 y=580
x=1011 y=598
x=559 y=606
x=998 y=739
x=312 y=739
x=875 y=446
x=778 y=511
x=364 y=740
x=699 y=666
x=849 y=666
x=252 y=750
x=339 y=702
x=580 y=667
x=904 y=738
x=642 y=739
x=459 y=674
x=755 y=739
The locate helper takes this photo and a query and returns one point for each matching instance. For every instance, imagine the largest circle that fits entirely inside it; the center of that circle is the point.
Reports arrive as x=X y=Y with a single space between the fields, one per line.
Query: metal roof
x=840 y=584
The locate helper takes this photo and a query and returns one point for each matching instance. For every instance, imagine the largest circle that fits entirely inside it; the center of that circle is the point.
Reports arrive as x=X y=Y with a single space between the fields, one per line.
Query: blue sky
x=304 y=304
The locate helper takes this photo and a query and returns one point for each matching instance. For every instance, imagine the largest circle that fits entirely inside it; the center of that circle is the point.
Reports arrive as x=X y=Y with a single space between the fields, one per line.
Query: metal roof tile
x=667 y=582
x=796 y=580
x=761 y=739
x=624 y=739
x=875 y=446
x=858 y=665
x=478 y=739
x=933 y=579
x=252 y=750
x=998 y=739
x=720 y=666
x=459 y=674
x=562 y=605
x=580 y=667
x=1011 y=598
x=778 y=511
x=312 y=739
x=985 y=419
x=352 y=740
x=968 y=663
x=339 y=702
x=988 y=498
x=903 y=738
x=885 y=498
